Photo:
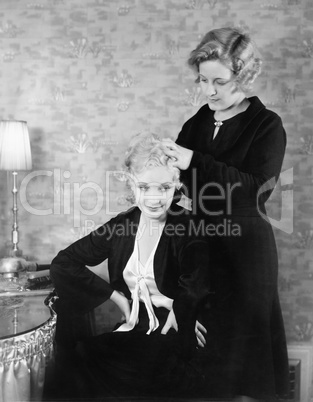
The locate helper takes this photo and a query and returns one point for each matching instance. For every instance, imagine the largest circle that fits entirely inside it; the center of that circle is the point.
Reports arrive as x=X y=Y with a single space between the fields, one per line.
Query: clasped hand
x=180 y=156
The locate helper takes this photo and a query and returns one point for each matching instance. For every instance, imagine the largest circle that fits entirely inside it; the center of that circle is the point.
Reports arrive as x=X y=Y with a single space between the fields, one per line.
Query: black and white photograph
x=156 y=210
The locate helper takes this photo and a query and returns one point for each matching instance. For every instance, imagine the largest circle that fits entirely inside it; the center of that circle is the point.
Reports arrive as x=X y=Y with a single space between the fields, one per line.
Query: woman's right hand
x=200 y=331
x=122 y=303
x=181 y=157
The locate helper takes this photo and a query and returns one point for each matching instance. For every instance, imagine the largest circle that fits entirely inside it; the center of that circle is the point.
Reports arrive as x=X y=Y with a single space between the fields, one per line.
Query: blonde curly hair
x=145 y=151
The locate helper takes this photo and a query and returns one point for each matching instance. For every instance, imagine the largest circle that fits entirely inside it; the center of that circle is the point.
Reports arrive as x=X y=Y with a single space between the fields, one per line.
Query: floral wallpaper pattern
x=87 y=75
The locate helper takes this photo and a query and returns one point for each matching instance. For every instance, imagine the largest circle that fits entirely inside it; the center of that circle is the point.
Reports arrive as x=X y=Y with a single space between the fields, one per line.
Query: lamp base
x=16 y=253
x=11 y=267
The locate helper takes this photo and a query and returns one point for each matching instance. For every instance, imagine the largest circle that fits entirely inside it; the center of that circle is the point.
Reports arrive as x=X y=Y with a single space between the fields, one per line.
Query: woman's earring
x=177 y=194
x=179 y=185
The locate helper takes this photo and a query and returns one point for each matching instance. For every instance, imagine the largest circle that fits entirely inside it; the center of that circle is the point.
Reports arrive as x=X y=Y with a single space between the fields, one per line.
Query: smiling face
x=154 y=189
x=218 y=86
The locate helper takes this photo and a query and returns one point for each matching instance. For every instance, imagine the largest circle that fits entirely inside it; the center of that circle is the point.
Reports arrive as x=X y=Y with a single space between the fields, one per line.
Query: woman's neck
x=150 y=223
x=235 y=109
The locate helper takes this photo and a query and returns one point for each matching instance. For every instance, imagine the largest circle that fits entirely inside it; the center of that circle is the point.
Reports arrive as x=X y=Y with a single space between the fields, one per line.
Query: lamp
x=15 y=155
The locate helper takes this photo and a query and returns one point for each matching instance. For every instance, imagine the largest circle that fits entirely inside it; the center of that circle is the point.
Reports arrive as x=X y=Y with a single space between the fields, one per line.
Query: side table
x=27 y=329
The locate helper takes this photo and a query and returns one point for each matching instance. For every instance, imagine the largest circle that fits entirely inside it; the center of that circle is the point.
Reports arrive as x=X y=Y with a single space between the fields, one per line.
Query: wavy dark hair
x=232 y=47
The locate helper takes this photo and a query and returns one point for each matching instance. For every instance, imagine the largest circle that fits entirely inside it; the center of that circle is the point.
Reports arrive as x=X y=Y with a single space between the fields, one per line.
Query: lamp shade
x=15 y=152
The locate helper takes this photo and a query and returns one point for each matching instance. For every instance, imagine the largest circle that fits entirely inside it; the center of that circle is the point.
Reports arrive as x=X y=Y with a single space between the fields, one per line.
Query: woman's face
x=154 y=190
x=218 y=86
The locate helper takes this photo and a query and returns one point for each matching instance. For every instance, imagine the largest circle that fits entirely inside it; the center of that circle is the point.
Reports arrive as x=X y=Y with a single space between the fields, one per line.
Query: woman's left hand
x=180 y=156
x=170 y=323
x=122 y=303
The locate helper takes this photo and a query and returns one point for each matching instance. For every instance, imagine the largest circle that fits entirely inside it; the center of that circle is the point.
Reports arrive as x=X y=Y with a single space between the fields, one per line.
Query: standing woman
x=229 y=153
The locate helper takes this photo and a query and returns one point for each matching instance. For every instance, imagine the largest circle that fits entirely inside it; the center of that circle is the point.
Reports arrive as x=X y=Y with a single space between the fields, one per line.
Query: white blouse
x=141 y=283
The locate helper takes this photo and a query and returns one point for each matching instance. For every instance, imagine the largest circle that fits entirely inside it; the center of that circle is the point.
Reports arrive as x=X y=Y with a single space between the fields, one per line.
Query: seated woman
x=158 y=278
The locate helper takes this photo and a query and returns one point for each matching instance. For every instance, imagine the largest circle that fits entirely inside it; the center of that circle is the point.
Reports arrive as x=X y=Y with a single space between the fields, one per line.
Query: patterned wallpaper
x=88 y=74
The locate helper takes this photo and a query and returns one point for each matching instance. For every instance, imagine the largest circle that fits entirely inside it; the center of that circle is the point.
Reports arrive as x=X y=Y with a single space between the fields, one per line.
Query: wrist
x=115 y=296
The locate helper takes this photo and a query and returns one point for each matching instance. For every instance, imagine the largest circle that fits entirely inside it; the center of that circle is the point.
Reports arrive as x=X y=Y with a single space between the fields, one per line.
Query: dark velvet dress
x=130 y=364
x=229 y=180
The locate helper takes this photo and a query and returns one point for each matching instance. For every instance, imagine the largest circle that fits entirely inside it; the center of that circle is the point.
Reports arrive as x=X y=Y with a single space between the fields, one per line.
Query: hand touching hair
x=146 y=151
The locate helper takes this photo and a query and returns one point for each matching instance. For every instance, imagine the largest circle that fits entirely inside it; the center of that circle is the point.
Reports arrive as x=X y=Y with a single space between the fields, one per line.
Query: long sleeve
x=263 y=162
x=78 y=288
x=242 y=162
x=193 y=290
